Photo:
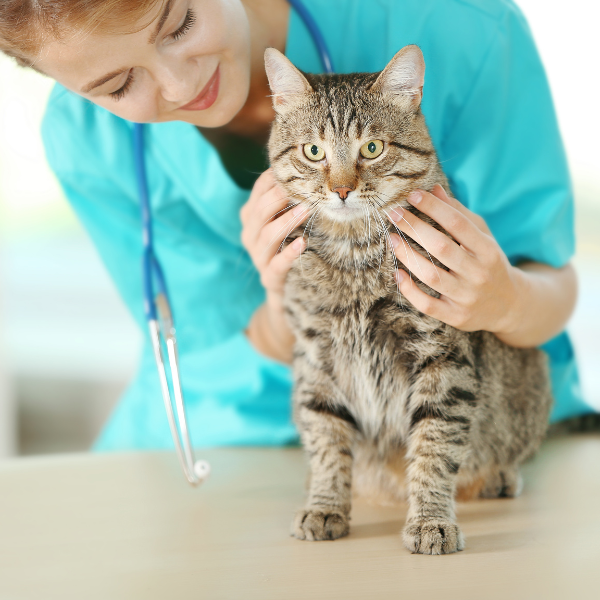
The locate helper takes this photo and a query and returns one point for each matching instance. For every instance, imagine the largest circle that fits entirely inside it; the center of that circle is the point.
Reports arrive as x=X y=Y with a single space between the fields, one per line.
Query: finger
x=435 y=242
x=273 y=234
x=436 y=278
x=273 y=277
x=439 y=192
x=434 y=307
x=271 y=204
x=264 y=183
x=459 y=226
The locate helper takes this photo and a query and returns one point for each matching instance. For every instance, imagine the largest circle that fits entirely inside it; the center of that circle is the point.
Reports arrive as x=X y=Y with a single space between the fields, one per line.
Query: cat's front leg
x=437 y=445
x=328 y=432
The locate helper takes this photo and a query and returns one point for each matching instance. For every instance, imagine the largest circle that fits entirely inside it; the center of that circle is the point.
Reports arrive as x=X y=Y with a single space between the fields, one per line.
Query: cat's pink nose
x=342 y=191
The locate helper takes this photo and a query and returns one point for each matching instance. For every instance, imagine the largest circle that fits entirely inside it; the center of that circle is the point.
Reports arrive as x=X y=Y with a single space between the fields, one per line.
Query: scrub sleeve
x=489 y=110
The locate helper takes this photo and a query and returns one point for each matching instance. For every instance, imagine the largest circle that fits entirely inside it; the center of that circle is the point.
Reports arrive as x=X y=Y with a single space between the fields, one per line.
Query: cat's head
x=349 y=144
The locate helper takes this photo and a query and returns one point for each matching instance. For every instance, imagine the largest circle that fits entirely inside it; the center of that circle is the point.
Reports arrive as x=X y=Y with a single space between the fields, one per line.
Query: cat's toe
x=433 y=536
x=320 y=524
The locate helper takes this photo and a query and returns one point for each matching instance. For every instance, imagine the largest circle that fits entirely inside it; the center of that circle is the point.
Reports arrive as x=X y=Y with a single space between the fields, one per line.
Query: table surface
x=112 y=526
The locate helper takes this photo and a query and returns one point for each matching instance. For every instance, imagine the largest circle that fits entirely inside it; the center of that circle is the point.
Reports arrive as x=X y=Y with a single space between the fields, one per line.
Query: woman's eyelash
x=118 y=95
x=188 y=22
x=190 y=19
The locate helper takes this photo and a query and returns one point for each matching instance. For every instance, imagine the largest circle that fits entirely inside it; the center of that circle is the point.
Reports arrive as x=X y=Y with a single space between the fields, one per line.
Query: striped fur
x=380 y=387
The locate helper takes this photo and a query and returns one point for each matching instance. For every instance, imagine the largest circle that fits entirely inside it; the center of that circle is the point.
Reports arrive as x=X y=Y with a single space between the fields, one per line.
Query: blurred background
x=67 y=344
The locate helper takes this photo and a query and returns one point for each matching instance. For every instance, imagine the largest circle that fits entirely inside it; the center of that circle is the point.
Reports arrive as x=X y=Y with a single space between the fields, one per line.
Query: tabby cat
x=375 y=379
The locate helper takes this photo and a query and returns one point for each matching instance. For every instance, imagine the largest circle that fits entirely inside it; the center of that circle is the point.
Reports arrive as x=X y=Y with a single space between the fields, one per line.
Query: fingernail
x=396 y=214
x=395 y=240
x=415 y=197
x=298 y=243
x=399 y=277
x=299 y=210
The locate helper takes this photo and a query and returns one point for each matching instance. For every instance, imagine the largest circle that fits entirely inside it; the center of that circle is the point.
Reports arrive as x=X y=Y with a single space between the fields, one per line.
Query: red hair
x=26 y=24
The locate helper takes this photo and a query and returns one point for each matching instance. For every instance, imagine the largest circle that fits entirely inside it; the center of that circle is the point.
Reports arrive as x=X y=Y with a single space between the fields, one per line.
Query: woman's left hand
x=480 y=291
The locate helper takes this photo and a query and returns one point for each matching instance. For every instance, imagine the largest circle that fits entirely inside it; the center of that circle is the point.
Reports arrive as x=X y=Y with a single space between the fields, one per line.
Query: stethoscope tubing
x=160 y=321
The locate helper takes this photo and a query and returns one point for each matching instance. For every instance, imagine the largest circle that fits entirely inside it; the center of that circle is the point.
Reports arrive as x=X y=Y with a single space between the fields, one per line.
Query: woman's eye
x=120 y=93
x=372 y=149
x=314 y=152
x=188 y=22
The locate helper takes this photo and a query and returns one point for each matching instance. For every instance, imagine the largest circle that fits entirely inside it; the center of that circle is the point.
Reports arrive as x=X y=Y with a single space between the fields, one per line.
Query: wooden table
x=128 y=526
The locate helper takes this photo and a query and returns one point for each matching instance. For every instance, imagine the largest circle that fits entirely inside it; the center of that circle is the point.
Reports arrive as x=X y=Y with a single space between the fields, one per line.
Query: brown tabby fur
x=377 y=382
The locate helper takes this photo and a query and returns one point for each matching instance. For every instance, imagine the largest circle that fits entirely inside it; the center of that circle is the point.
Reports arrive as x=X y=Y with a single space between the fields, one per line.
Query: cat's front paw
x=317 y=524
x=433 y=536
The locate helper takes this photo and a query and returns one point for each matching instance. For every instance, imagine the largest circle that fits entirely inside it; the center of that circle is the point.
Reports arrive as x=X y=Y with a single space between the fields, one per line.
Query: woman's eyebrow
x=102 y=80
x=161 y=21
x=97 y=82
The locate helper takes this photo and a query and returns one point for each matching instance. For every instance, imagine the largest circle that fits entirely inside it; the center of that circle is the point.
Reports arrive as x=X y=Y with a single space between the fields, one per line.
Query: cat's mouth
x=343 y=211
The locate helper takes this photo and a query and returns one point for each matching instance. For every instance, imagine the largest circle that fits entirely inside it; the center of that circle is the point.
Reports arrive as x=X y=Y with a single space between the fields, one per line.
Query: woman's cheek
x=141 y=109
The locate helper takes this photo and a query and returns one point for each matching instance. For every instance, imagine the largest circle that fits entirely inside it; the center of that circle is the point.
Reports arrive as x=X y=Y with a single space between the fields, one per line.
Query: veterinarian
x=193 y=70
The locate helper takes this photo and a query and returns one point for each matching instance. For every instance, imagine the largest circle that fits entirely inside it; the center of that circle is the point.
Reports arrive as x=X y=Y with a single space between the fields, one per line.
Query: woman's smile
x=207 y=96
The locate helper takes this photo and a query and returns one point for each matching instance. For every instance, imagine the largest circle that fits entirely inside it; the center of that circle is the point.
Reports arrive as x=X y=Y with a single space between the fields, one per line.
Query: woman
x=194 y=70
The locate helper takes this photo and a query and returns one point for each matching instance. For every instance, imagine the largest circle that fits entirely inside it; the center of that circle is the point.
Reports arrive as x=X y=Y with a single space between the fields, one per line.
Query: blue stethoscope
x=157 y=306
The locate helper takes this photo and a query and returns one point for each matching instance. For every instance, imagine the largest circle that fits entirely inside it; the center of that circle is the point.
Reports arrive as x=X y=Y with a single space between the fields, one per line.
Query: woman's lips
x=206 y=98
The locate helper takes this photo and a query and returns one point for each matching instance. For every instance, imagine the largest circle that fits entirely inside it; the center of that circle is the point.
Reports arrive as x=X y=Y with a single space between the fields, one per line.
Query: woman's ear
x=287 y=83
x=404 y=76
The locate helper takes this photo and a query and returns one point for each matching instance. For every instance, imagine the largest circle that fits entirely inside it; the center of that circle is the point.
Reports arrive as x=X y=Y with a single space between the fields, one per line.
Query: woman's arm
x=265 y=225
x=543 y=304
x=270 y=334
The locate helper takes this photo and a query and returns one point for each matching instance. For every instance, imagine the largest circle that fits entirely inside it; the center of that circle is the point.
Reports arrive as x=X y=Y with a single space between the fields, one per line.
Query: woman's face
x=191 y=63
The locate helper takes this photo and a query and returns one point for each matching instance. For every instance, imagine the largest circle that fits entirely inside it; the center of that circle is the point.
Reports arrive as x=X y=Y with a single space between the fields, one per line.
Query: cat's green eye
x=372 y=149
x=314 y=152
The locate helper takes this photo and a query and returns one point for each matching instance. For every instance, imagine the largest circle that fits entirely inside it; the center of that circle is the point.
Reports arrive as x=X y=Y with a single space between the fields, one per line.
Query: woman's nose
x=176 y=84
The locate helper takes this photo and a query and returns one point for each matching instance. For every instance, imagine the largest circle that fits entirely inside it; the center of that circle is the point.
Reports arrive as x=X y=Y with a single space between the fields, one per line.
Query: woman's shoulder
x=487 y=10
x=454 y=34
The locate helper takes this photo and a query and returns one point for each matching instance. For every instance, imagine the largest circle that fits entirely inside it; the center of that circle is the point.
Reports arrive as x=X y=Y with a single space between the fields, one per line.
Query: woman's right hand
x=265 y=225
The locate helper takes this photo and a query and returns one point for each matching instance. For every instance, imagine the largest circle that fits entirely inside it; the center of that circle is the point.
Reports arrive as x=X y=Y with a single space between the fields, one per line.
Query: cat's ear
x=404 y=75
x=287 y=83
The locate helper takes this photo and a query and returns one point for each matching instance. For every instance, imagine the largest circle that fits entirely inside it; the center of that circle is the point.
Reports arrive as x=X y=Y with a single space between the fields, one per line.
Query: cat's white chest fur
x=376 y=394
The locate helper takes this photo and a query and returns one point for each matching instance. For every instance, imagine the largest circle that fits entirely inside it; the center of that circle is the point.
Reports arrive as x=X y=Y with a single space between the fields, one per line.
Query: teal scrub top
x=490 y=113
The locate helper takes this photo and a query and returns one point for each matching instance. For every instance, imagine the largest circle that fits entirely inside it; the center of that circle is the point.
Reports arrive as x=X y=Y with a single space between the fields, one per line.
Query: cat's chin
x=344 y=213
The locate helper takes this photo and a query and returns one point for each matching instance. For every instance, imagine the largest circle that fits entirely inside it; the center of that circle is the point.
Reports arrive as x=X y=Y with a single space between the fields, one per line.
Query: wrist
x=517 y=300
x=269 y=331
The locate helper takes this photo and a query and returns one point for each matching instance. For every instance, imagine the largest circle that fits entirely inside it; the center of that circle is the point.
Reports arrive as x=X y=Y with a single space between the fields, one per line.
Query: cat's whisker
x=314 y=217
x=391 y=248
x=286 y=207
x=294 y=226
x=280 y=211
x=401 y=233
x=394 y=257
x=366 y=221
x=295 y=222
x=422 y=246
x=311 y=222
x=380 y=232
x=290 y=197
